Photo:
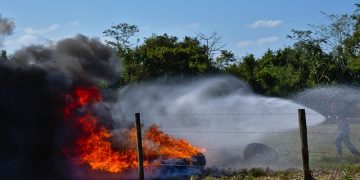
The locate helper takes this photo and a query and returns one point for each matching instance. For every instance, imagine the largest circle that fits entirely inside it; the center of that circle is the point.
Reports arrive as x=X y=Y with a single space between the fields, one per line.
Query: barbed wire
x=322 y=133
x=281 y=151
x=221 y=132
x=198 y=166
x=228 y=114
x=182 y=165
x=202 y=150
x=240 y=132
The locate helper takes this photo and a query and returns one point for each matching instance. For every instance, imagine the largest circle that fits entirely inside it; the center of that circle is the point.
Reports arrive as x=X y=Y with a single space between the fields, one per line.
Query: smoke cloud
x=75 y=59
x=7 y=27
x=32 y=87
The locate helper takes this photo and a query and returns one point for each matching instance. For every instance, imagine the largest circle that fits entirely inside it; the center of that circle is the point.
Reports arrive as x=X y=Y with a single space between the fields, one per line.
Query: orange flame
x=92 y=146
x=168 y=146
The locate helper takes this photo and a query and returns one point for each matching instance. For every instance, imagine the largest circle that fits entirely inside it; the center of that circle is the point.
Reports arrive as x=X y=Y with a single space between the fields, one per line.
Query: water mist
x=215 y=113
x=344 y=101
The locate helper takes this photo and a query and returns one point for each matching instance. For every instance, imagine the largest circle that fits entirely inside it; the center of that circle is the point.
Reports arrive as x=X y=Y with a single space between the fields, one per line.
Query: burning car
x=91 y=145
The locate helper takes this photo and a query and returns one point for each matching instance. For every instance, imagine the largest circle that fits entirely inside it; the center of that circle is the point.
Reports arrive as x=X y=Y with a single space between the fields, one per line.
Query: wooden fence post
x=139 y=146
x=304 y=144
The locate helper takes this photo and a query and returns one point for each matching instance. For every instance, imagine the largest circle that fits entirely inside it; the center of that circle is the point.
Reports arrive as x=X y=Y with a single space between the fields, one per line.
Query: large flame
x=168 y=146
x=93 y=147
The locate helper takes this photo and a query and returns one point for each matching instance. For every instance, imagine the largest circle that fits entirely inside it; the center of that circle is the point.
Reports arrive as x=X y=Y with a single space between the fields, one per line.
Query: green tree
x=275 y=75
x=326 y=54
x=225 y=59
x=165 y=56
x=352 y=47
x=120 y=35
x=159 y=56
x=334 y=35
x=246 y=69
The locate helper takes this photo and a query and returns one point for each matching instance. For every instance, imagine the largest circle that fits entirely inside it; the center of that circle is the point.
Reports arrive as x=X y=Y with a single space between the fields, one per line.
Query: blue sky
x=246 y=26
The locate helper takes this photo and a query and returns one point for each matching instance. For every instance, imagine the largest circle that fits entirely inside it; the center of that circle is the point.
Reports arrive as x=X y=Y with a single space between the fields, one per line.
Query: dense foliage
x=325 y=54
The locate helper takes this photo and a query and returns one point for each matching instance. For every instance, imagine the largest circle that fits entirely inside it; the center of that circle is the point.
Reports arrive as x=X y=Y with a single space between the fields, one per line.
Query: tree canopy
x=324 y=54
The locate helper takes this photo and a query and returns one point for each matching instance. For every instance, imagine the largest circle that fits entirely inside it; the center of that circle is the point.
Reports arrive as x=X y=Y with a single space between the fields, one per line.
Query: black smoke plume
x=32 y=87
x=7 y=27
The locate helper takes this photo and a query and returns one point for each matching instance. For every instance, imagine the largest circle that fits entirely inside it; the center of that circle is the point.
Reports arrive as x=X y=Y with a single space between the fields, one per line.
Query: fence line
x=227 y=114
x=296 y=151
x=224 y=132
x=239 y=132
x=197 y=166
x=181 y=165
x=238 y=149
x=303 y=135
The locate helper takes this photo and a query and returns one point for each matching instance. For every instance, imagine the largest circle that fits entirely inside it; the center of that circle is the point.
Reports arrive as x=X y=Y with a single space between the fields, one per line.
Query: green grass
x=322 y=149
x=249 y=174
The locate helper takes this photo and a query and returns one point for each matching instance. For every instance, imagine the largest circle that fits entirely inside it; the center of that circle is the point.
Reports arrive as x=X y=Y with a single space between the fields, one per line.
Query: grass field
x=322 y=149
x=263 y=174
x=324 y=161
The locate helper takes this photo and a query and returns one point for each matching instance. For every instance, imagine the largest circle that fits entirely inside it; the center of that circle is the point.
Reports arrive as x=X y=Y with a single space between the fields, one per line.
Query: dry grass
x=261 y=174
x=324 y=161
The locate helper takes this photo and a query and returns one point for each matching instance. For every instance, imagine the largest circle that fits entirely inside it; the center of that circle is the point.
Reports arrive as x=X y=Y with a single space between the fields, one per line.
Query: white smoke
x=215 y=112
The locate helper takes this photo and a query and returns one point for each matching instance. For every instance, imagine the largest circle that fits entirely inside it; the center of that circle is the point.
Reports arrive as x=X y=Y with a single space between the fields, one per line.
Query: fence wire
x=229 y=114
x=310 y=133
x=239 y=132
